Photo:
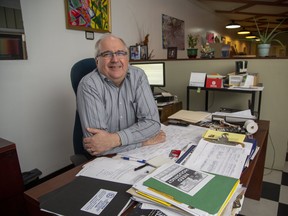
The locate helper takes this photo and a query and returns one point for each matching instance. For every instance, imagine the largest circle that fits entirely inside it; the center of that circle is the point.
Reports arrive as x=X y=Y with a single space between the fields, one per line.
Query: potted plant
x=192 y=43
x=267 y=37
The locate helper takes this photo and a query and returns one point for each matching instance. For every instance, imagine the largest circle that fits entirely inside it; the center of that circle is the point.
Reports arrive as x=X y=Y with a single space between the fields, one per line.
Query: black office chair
x=79 y=70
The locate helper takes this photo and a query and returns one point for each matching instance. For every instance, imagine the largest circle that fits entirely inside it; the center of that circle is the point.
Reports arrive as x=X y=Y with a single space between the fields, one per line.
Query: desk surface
x=251 y=177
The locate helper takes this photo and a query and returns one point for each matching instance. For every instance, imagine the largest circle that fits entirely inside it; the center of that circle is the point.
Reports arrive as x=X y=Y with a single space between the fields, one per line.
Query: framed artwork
x=11 y=47
x=135 y=52
x=172 y=53
x=89 y=15
x=144 y=52
x=172 y=32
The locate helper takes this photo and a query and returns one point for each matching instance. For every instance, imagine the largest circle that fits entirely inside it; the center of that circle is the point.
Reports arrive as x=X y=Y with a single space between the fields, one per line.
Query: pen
x=134 y=159
x=186 y=154
x=140 y=167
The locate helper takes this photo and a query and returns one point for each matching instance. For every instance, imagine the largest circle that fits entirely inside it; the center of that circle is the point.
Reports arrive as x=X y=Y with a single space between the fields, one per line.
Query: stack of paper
x=194 y=192
x=219 y=159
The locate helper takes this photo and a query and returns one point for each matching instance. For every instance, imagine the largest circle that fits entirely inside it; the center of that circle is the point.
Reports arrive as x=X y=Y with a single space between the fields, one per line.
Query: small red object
x=175 y=153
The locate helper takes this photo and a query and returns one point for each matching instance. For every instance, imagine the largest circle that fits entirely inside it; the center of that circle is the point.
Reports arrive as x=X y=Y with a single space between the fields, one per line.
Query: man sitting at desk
x=115 y=103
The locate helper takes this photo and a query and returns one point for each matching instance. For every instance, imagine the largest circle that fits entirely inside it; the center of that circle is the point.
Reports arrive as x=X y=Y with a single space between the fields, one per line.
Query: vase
x=192 y=52
x=263 y=50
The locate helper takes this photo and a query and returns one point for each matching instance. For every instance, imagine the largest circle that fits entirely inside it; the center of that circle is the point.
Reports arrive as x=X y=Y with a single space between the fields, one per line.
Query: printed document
x=116 y=170
x=218 y=159
x=177 y=137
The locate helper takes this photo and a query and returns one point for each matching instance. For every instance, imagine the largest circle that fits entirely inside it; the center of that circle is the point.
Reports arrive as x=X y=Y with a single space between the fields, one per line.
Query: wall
x=274 y=106
x=37 y=101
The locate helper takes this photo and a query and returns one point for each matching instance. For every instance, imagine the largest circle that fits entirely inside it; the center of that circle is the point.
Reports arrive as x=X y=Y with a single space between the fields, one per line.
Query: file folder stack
x=191 y=191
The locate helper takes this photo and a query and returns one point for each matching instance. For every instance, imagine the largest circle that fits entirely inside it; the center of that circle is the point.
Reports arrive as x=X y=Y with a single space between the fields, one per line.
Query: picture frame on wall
x=172 y=53
x=89 y=35
x=144 y=52
x=135 y=52
x=93 y=15
x=11 y=47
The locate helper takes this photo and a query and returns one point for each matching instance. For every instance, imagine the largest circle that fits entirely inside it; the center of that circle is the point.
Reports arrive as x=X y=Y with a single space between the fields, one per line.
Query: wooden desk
x=251 y=177
x=168 y=110
x=11 y=181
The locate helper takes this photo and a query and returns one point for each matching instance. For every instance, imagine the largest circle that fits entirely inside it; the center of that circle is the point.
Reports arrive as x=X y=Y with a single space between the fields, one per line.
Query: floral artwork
x=172 y=32
x=88 y=15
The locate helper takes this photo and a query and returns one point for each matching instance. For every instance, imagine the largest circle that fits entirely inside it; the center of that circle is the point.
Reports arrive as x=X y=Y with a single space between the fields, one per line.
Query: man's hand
x=101 y=141
x=158 y=138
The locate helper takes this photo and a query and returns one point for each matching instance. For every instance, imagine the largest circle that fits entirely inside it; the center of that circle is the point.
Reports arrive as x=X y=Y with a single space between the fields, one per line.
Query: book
x=178 y=183
x=86 y=196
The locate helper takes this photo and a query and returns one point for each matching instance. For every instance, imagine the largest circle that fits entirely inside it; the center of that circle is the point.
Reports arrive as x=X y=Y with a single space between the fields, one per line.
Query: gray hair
x=97 y=45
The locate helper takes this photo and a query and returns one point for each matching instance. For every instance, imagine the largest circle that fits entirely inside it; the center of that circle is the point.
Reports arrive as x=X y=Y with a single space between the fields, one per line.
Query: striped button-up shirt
x=129 y=110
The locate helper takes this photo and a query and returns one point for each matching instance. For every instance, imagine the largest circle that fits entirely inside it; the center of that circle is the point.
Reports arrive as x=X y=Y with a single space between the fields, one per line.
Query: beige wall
x=273 y=74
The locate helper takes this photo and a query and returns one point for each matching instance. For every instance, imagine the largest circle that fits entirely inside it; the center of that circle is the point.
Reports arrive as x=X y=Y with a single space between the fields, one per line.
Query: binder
x=69 y=199
x=212 y=198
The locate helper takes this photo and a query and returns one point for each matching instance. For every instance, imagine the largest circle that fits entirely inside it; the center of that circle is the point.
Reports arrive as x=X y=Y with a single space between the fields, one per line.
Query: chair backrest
x=78 y=71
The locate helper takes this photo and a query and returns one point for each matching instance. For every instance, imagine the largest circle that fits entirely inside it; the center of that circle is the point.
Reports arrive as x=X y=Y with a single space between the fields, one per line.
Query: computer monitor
x=155 y=72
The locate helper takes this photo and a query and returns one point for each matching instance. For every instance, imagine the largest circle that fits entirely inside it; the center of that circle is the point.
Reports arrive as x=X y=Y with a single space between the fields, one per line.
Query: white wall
x=37 y=101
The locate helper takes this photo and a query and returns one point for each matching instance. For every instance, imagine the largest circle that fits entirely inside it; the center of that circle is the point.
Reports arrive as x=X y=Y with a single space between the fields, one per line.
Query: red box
x=214 y=83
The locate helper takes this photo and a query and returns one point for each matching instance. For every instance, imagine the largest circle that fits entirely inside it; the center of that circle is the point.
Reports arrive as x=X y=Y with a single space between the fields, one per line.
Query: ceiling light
x=250 y=36
x=243 y=31
x=233 y=25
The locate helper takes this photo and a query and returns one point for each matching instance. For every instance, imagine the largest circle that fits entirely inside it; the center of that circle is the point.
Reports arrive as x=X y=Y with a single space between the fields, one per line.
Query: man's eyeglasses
x=110 y=54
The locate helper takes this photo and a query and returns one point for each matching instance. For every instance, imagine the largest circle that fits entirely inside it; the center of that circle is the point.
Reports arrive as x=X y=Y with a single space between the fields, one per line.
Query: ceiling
x=244 y=11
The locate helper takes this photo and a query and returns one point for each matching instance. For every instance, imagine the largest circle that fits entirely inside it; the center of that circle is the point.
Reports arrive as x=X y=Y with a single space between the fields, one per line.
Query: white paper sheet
x=177 y=137
x=116 y=170
x=219 y=159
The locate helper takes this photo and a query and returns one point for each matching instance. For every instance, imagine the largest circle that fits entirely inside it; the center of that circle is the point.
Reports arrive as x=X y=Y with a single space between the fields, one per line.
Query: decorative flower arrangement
x=192 y=40
x=207 y=51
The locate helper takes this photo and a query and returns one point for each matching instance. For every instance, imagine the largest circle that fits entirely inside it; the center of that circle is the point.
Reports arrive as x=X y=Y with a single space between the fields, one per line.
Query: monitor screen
x=155 y=72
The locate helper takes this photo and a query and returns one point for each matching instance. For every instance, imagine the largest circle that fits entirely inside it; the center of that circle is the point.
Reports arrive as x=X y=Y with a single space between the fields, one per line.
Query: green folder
x=212 y=198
